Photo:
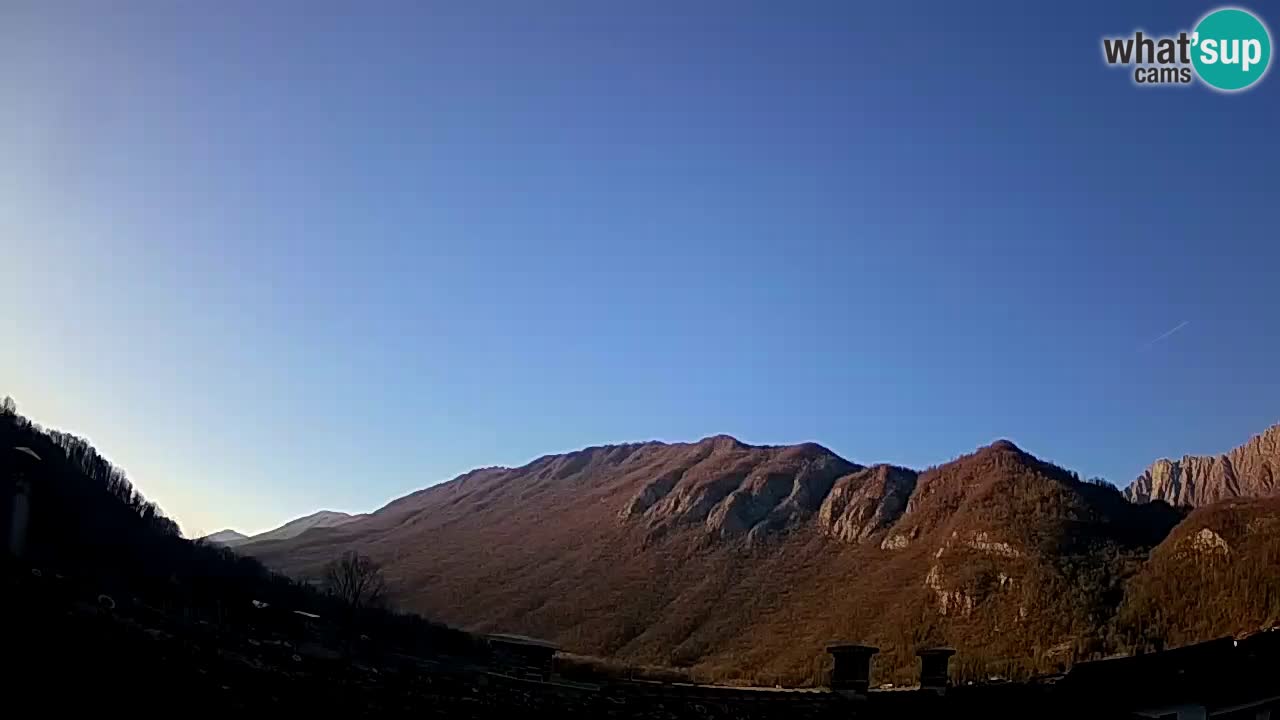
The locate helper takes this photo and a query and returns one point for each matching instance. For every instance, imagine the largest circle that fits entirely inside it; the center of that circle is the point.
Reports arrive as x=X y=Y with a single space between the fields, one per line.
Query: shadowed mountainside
x=1214 y=575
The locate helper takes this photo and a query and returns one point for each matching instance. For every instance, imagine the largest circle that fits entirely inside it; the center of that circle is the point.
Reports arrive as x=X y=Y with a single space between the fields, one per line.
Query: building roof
x=1218 y=673
x=506 y=639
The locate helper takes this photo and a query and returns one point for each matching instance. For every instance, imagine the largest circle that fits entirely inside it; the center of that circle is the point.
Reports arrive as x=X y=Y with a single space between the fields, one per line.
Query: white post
x=20 y=516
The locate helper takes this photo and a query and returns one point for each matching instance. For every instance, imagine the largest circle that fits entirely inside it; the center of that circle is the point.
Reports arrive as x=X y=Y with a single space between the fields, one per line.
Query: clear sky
x=275 y=257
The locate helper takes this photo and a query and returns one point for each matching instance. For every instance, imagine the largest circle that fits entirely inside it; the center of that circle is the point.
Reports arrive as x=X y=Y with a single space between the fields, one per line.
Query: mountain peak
x=1006 y=445
x=723 y=442
x=225 y=537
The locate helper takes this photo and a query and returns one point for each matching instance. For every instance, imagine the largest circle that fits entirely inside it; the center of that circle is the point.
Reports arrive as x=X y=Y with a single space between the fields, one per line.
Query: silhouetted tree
x=355 y=580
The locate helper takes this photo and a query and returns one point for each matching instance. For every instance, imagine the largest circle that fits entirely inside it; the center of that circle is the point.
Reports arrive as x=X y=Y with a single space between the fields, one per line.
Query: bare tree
x=356 y=580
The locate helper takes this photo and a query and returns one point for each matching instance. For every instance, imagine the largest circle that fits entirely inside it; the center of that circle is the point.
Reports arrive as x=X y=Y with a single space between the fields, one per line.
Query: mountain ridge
x=728 y=558
x=1248 y=470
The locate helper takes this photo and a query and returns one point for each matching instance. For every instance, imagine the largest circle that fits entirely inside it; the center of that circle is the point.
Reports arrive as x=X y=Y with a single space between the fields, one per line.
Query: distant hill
x=293 y=528
x=1251 y=470
x=230 y=538
x=740 y=562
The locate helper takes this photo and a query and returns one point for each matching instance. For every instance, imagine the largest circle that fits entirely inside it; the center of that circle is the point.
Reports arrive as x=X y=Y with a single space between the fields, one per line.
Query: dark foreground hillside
x=69 y=653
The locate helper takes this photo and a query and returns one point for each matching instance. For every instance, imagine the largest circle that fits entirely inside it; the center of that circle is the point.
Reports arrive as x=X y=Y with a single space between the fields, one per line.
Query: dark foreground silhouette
x=70 y=651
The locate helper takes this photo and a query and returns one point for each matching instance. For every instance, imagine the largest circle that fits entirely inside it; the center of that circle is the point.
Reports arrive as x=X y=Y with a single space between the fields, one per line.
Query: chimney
x=852 y=673
x=933 y=668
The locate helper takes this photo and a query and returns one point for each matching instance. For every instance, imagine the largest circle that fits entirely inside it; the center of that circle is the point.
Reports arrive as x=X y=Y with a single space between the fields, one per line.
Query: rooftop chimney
x=933 y=668
x=852 y=673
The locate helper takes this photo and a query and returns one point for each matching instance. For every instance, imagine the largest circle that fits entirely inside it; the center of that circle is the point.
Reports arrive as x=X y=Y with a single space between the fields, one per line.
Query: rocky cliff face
x=732 y=489
x=1251 y=470
x=865 y=502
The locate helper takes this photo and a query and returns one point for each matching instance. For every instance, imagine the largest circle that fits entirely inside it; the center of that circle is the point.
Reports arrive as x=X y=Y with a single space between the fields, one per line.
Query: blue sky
x=277 y=257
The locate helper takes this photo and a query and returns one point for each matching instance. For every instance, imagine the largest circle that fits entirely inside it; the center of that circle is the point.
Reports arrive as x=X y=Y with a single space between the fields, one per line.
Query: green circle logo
x=1232 y=49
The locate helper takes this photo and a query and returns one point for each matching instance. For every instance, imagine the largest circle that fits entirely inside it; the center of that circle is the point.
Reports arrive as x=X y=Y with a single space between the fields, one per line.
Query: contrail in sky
x=1169 y=332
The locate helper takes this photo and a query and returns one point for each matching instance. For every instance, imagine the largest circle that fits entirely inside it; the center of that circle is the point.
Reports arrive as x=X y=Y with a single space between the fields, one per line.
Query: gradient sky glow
x=275 y=257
